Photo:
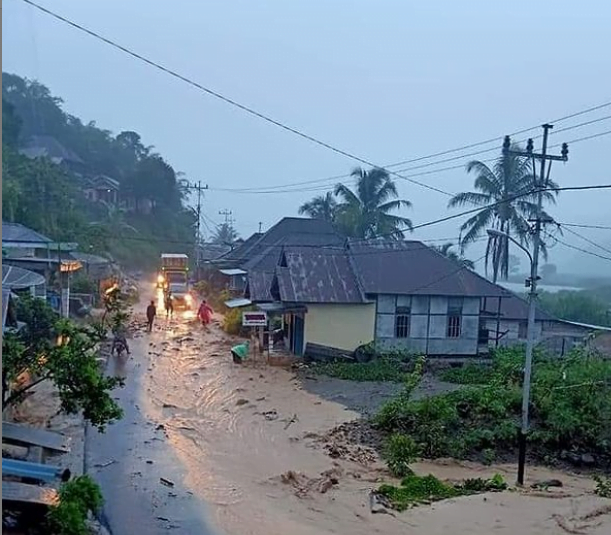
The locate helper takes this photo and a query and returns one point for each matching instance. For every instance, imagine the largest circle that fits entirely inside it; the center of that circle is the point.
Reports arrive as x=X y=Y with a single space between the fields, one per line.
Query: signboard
x=254 y=319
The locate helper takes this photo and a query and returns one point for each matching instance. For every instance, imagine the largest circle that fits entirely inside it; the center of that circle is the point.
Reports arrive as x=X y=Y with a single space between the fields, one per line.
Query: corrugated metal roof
x=410 y=267
x=318 y=276
x=15 y=232
x=514 y=307
x=260 y=286
x=15 y=278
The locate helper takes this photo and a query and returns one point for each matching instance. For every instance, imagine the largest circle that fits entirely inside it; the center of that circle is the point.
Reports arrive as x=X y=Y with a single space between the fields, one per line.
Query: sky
x=386 y=81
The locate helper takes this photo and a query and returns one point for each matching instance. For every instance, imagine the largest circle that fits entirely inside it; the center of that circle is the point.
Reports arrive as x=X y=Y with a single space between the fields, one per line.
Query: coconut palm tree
x=447 y=250
x=365 y=212
x=320 y=207
x=225 y=234
x=506 y=194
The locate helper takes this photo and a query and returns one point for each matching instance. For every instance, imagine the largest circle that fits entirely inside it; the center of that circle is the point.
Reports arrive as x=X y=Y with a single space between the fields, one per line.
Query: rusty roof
x=322 y=275
x=410 y=267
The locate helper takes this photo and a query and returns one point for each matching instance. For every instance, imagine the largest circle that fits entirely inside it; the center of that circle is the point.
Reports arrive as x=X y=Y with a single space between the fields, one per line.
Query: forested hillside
x=47 y=193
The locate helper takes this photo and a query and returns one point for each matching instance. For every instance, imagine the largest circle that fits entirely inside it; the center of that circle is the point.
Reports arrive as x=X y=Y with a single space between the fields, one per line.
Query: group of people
x=204 y=312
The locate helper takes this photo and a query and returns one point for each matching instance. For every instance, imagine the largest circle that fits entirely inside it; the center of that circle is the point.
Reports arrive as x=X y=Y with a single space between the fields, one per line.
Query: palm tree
x=506 y=194
x=225 y=234
x=447 y=250
x=366 y=212
x=321 y=207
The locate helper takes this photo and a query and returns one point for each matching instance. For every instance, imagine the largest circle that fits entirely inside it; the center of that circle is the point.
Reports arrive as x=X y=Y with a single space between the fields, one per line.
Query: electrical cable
x=245 y=108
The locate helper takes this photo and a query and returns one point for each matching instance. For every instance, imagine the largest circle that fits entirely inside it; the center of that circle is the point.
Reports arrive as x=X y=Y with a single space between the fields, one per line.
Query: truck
x=175 y=279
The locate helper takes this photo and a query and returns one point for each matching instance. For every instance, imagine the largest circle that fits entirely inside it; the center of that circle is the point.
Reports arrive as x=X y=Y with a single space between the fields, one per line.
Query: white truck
x=175 y=273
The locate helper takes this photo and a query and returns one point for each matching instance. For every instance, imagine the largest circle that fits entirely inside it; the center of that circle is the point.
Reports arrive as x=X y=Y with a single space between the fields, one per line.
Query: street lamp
x=530 y=342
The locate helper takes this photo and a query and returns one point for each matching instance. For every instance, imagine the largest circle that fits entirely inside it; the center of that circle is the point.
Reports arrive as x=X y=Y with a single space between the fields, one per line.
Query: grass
x=469 y=374
x=417 y=490
x=380 y=369
x=570 y=411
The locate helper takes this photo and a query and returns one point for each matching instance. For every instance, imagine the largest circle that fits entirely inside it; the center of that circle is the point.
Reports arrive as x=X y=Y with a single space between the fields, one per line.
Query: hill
x=75 y=181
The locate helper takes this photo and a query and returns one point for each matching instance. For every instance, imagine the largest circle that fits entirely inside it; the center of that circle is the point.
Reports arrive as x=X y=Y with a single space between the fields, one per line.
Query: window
x=402 y=322
x=454 y=317
x=523 y=330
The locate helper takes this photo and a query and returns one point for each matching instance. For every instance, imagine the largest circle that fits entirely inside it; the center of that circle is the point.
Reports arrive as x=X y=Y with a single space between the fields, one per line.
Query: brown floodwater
x=238 y=429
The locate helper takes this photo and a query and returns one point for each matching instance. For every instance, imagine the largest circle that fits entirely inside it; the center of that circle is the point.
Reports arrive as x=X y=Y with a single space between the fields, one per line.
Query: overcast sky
x=385 y=80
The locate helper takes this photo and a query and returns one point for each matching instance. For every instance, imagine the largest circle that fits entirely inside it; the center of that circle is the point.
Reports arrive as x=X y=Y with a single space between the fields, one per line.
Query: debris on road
x=291 y=421
x=166 y=482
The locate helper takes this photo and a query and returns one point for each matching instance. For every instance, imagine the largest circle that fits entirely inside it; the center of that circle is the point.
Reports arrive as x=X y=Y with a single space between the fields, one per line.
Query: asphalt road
x=132 y=456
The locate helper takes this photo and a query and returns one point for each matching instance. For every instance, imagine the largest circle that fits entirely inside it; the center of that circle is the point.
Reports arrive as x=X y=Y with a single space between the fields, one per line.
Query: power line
x=325 y=187
x=580 y=225
x=591 y=242
x=576 y=248
x=240 y=106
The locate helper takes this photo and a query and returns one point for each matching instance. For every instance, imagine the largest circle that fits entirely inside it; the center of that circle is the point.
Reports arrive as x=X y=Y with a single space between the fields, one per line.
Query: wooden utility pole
x=540 y=185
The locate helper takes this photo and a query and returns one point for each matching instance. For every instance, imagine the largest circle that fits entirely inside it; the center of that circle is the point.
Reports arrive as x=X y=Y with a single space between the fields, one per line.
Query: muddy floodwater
x=252 y=442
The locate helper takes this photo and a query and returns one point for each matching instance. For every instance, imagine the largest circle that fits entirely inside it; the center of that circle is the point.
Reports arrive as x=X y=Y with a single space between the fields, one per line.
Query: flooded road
x=246 y=447
x=132 y=456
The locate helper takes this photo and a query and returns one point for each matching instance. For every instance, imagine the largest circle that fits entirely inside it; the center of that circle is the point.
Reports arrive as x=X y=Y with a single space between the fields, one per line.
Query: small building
x=507 y=321
x=102 y=188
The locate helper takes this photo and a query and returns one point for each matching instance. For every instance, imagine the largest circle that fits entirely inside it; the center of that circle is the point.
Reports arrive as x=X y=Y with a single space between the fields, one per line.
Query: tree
x=514 y=264
x=506 y=194
x=447 y=250
x=225 y=234
x=321 y=207
x=576 y=306
x=49 y=348
x=366 y=212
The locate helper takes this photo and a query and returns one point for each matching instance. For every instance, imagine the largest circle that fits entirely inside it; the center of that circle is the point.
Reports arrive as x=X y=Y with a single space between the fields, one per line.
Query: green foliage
x=150 y=190
x=225 y=234
x=416 y=490
x=582 y=306
x=603 y=486
x=232 y=321
x=78 y=498
x=469 y=374
x=379 y=369
x=64 y=353
x=570 y=409
x=399 y=452
x=81 y=284
x=500 y=193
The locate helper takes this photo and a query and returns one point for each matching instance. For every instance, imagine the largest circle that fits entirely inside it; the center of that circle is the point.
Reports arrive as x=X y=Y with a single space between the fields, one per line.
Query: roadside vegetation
x=418 y=490
x=78 y=498
x=384 y=368
x=571 y=412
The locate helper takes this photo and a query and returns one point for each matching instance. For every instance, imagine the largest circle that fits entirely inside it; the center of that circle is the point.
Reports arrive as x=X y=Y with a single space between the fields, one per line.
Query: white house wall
x=428 y=325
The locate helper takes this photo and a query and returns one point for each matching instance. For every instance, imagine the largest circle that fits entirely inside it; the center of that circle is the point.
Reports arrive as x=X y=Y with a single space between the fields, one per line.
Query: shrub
x=232 y=321
x=78 y=498
x=399 y=452
x=603 y=486
x=416 y=490
x=570 y=410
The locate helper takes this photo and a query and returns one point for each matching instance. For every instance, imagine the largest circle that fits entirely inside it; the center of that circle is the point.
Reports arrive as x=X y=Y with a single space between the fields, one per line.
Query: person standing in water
x=151 y=312
x=205 y=313
x=169 y=306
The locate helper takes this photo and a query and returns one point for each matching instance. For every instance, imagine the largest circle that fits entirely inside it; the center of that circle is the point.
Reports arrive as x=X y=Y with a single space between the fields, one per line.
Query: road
x=130 y=459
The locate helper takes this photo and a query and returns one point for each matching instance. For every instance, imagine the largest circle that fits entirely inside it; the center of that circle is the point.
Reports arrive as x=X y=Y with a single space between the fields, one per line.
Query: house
x=259 y=255
x=25 y=248
x=102 y=188
x=45 y=146
x=337 y=294
x=508 y=322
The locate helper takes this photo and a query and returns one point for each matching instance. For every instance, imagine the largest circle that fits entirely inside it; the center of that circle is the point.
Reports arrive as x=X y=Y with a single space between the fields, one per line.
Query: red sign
x=254 y=319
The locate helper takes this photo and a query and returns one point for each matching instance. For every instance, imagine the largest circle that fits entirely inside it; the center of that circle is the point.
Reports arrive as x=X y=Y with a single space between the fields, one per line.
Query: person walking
x=169 y=305
x=205 y=313
x=151 y=312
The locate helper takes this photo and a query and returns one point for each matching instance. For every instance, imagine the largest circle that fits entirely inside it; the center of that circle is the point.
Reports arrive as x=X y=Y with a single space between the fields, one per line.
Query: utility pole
x=198 y=224
x=260 y=226
x=531 y=283
x=227 y=214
